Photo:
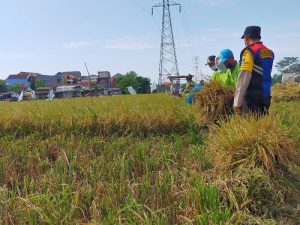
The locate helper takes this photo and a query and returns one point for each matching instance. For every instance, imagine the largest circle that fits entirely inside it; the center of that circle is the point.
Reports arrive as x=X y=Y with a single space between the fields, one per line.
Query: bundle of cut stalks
x=213 y=102
x=256 y=161
x=286 y=92
x=252 y=143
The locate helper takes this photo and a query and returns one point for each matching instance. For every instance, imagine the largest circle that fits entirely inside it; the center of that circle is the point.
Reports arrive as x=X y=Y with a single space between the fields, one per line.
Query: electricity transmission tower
x=168 y=60
x=196 y=64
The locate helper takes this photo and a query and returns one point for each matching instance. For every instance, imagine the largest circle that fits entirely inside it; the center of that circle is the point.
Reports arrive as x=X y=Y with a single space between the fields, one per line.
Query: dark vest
x=259 y=88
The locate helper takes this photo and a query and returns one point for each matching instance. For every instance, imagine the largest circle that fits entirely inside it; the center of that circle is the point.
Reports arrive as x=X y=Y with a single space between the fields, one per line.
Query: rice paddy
x=286 y=92
x=146 y=160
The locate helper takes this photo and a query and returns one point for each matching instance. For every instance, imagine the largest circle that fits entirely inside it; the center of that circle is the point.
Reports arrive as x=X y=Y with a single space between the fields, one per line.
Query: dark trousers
x=259 y=108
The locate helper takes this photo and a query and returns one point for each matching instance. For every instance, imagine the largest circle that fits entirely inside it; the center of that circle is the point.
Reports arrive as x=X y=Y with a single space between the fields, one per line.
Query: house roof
x=166 y=83
x=68 y=88
x=22 y=75
x=117 y=75
x=50 y=79
x=74 y=73
x=103 y=73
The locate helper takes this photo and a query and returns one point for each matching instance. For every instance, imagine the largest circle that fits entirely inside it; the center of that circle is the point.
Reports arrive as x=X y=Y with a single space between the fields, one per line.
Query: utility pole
x=89 y=80
x=196 y=64
x=168 y=60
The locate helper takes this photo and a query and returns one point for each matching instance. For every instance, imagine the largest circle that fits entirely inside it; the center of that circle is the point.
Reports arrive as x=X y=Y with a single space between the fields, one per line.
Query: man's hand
x=237 y=109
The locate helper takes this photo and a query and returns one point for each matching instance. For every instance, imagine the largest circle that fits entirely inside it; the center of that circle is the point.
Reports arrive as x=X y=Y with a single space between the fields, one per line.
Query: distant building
x=70 y=77
x=17 y=79
x=87 y=80
x=9 y=96
x=291 y=74
x=114 y=80
x=42 y=92
x=103 y=74
x=109 y=91
x=47 y=80
x=104 y=79
x=68 y=91
x=290 y=77
x=167 y=86
x=23 y=79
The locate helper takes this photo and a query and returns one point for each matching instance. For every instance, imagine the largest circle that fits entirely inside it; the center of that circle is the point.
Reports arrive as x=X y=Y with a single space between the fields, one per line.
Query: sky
x=48 y=36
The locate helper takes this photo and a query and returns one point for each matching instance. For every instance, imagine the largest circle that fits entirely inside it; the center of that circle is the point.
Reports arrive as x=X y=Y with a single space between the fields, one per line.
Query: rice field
x=145 y=160
x=286 y=92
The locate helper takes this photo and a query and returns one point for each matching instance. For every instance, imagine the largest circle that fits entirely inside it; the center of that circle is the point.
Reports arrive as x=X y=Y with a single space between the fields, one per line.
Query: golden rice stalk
x=252 y=143
x=286 y=92
x=213 y=102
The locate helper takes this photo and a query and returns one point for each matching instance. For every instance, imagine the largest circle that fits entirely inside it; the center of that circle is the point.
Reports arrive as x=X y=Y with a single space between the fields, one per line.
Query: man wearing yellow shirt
x=217 y=74
x=253 y=88
x=229 y=66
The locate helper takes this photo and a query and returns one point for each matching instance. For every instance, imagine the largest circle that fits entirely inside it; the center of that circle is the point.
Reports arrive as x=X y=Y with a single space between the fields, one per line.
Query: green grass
x=114 y=160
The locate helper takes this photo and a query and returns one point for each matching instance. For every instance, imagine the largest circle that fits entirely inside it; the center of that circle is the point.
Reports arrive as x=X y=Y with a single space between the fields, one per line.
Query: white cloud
x=288 y=35
x=129 y=43
x=17 y=56
x=286 y=50
x=191 y=42
x=80 y=44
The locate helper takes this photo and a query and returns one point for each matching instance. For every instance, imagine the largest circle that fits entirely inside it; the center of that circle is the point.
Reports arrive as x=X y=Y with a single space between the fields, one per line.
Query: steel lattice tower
x=168 y=60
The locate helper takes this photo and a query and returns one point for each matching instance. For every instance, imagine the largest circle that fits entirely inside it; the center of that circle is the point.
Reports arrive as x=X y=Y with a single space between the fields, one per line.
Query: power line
x=146 y=11
x=141 y=7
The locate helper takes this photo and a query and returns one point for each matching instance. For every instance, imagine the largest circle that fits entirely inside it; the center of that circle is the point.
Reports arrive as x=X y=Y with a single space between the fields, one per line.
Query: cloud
x=129 y=43
x=17 y=56
x=80 y=44
x=191 y=42
x=286 y=50
x=288 y=35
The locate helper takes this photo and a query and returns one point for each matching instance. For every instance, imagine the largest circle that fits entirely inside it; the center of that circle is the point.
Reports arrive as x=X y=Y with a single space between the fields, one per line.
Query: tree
x=291 y=64
x=144 y=85
x=3 y=86
x=286 y=65
x=127 y=80
x=277 y=78
x=141 y=84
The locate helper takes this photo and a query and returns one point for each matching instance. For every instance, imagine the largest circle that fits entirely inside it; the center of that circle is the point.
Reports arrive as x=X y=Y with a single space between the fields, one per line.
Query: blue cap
x=225 y=54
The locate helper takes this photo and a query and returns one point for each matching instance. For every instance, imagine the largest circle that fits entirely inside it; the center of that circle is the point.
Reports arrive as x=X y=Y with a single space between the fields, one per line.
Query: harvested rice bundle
x=256 y=160
x=213 y=102
x=286 y=92
x=252 y=143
